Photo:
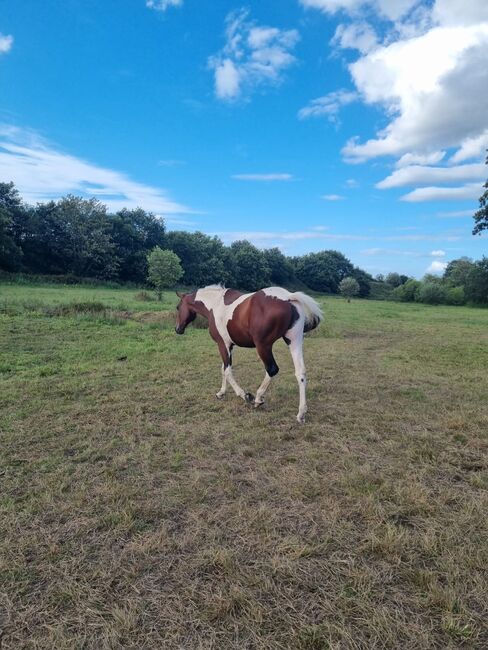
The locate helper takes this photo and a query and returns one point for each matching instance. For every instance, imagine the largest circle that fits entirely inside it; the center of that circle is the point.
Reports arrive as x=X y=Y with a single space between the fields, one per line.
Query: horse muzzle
x=180 y=330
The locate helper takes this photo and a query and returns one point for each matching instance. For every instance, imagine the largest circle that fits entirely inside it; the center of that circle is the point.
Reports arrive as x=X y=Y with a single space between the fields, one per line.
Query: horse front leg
x=228 y=376
x=223 y=388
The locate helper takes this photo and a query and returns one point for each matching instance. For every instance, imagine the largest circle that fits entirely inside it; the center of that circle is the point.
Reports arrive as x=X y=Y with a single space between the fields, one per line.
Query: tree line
x=464 y=281
x=75 y=237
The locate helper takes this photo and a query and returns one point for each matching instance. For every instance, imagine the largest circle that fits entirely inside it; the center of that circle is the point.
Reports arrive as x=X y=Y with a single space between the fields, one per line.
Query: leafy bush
x=455 y=296
x=476 y=287
x=349 y=287
x=164 y=269
x=431 y=293
x=406 y=292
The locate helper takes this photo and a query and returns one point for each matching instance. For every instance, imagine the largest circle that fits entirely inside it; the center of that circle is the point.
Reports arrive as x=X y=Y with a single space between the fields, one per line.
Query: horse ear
x=179 y=294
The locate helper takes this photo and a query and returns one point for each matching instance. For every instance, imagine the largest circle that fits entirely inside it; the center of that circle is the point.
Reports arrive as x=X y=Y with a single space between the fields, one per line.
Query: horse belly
x=240 y=335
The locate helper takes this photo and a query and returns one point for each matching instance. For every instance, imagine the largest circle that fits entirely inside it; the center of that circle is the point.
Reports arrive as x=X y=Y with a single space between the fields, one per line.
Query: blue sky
x=305 y=124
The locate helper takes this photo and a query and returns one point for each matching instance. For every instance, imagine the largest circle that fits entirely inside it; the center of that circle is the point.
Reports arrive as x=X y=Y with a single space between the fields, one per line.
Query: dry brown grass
x=139 y=512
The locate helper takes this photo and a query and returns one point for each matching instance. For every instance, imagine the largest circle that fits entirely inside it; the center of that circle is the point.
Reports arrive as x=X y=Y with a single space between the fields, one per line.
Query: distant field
x=138 y=511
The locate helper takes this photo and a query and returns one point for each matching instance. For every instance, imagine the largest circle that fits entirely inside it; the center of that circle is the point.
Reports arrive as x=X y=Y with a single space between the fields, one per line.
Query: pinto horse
x=253 y=320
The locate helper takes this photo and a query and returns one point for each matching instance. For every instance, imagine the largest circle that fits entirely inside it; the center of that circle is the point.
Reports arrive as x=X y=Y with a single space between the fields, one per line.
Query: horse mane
x=211 y=292
x=213 y=287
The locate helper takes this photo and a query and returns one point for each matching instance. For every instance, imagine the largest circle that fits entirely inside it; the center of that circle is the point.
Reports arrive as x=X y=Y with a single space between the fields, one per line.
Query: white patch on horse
x=213 y=299
x=277 y=292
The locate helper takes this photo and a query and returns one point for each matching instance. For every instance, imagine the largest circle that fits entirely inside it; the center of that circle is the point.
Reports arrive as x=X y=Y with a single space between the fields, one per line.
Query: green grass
x=137 y=511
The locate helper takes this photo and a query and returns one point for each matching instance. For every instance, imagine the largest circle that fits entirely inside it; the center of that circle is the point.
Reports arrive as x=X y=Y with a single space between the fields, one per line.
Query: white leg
x=237 y=389
x=223 y=388
x=296 y=350
x=261 y=390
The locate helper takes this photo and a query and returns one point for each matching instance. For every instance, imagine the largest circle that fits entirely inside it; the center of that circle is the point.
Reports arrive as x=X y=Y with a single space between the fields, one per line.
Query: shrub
x=431 y=293
x=406 y=292
x=164 y=269
x=477 y=283
x=455 y=296
x=349 y=287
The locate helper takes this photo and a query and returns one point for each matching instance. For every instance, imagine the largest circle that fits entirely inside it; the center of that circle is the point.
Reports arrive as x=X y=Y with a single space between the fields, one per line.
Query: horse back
x=261 y=319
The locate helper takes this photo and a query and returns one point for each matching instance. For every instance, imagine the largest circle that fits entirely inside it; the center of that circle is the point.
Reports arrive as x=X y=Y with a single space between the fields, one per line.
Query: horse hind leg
x=294 y=339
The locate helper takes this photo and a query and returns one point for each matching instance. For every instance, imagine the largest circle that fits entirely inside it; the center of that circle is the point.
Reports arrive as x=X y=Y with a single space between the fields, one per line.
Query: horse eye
x=178 y=307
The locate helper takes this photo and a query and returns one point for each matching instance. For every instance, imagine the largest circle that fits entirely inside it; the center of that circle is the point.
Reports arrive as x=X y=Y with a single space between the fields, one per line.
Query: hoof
x=220 y=395
x=249 y=397
x=301 y=419
x=258 y=404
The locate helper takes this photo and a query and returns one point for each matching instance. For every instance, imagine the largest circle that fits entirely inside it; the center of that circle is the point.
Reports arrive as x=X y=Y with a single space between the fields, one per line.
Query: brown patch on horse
x=238 y=325
x=231 y=295
x=259 y=321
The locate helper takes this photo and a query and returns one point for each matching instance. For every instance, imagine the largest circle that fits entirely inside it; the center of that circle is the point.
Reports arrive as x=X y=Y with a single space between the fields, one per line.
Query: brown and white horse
x=253 y=320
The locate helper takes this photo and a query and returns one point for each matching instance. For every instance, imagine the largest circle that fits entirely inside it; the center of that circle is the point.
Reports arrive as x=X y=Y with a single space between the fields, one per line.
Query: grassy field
x=137 y=511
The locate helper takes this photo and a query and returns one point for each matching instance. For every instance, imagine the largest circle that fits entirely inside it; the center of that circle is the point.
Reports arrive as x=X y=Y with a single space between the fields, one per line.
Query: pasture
x=138 y=511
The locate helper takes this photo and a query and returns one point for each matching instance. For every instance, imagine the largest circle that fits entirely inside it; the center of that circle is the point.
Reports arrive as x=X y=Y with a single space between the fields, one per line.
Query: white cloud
x=471 y=148
x=227 y=79
x=436 y=267
x=391 y=9
x=420 y=159
x=42 y=172
x=170 y=162
x=460 y=12
x=6 y=43
x=357 y=36
x=428 y=75
x=352 y=183
x=253 y=56
x=262 y=177
x=320 y=233
x=162 y=5
x=455 y=214
x=466 y=192
x=372 y=252
x=332 y=197
x=329 y=105
x=420 y=175
x=430 y=85
x=259 y=237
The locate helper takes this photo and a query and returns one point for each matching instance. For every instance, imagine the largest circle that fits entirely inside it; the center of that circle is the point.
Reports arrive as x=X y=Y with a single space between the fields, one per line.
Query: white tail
x=313 y=313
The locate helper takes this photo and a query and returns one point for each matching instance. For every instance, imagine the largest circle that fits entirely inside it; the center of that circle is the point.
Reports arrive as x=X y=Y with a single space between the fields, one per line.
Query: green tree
x=364 y=280
x=164 y=269
x=349 y=287
x=323 y=271
x=455 y=296
x=204 y=259
x=476 y=288
x=135 y=233
x=406 y=292
x=11 y=211
x=250 y=268
x=71 y=236
x=481 y=216
x=431 y=293
x=393 y=279
x=281 y=269
x=457 y=272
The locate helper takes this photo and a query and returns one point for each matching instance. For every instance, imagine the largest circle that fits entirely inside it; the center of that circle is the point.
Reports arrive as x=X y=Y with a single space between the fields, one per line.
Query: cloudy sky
x=358 y=125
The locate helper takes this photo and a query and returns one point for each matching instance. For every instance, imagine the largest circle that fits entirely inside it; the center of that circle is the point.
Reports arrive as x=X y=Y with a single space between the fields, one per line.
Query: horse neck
x=206 y=301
